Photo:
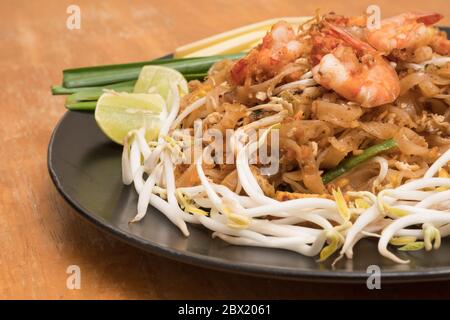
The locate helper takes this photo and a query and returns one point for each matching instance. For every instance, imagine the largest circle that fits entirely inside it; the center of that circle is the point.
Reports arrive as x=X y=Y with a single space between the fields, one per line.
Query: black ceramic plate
x=85 y=167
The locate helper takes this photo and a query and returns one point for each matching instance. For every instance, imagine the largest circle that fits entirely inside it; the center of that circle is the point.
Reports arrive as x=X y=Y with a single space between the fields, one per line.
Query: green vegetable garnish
x=85 y=85
x=104 y=75
x=120 y=86
x=81 y=106
x=353 y=161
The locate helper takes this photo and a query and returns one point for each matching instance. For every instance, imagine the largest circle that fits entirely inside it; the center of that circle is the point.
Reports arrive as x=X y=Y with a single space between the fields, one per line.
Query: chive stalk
x=104 y=75
x=82 y=106
x=92 y=94
x=354 y=161
x=60 y=90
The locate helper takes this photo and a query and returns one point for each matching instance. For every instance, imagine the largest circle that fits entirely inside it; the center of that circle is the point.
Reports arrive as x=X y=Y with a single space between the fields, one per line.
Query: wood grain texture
x=40 y=235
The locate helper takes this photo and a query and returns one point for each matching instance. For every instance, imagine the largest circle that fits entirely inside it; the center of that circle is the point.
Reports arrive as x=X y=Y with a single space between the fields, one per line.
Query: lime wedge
x=118 y=113
x=157 y=79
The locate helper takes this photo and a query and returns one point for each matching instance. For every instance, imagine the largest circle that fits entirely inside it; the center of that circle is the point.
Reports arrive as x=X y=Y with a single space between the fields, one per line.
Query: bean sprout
x=439 y=163
x=300 y=84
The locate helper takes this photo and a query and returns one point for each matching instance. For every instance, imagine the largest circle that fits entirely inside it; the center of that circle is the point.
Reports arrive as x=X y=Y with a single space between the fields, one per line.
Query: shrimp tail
x=348 y=38
x=429 y=18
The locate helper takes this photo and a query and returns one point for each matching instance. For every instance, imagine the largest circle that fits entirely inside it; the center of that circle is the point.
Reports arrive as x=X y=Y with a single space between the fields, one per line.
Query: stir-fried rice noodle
x=398 y=196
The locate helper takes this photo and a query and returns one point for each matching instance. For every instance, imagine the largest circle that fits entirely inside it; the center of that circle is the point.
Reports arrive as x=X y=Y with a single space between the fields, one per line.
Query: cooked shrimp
x=355 y=70
x=279 y=47
x=407 y=30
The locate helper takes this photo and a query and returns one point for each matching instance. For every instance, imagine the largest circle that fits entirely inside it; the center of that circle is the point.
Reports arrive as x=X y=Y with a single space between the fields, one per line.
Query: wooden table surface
x=40 y=234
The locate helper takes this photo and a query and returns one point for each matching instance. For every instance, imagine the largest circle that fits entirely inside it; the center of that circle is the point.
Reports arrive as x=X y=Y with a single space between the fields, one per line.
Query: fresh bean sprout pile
x=364 y=142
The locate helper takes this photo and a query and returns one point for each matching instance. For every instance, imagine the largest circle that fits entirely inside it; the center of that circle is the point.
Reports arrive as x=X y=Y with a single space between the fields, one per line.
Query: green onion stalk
x=85 y=85
x=353 y=161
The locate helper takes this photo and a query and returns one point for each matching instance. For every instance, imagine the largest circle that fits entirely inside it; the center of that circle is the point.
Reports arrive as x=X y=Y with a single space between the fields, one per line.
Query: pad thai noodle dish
x=324 y=133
